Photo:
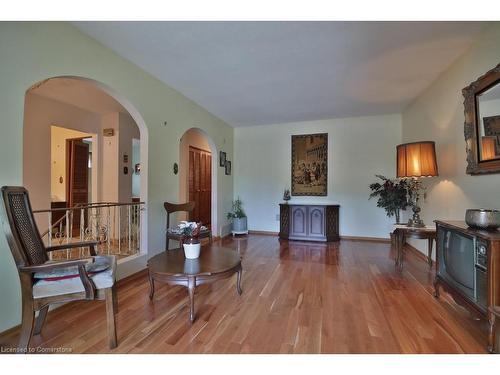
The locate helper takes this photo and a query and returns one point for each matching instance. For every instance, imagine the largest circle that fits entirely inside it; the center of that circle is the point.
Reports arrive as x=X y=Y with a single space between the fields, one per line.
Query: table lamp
x=416 y=160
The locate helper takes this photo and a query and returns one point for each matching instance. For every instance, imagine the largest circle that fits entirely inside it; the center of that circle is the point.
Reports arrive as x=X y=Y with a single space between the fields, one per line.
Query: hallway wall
x=34 y=51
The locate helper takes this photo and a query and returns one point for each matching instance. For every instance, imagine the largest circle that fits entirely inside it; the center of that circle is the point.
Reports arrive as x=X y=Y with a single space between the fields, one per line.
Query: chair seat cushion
x=66 y=285
x=101 y=263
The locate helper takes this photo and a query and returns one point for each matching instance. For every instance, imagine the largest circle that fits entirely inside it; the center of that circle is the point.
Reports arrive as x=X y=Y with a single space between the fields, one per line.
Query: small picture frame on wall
x=222 y=159
x=228 y=168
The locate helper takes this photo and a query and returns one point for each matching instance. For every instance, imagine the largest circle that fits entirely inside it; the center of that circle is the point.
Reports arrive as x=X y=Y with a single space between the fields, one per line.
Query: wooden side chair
x=182 y=207
x=45 y=282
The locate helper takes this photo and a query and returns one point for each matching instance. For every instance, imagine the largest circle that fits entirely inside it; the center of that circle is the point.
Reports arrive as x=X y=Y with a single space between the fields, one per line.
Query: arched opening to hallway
x=85 y=165
x=198 y=176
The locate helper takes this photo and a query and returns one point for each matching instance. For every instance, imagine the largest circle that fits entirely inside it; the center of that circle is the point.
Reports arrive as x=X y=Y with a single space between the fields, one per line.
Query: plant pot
x=240 y=224
x=192 y=248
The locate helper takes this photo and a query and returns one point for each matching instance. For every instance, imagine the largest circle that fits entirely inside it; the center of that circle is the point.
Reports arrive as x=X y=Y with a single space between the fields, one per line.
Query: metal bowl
x=483 y=219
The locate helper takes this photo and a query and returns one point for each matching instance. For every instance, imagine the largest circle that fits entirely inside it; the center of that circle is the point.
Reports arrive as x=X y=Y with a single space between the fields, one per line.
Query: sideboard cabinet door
x=316 y=222
x=298 y=222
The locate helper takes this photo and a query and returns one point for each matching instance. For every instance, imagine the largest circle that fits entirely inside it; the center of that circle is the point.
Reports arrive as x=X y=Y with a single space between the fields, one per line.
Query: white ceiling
x=79 y=93
x=250 y=73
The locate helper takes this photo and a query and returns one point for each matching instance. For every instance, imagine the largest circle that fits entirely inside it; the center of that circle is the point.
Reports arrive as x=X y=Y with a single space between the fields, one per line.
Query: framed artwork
x=310 y=164
x=222 y=159
x=228 y=168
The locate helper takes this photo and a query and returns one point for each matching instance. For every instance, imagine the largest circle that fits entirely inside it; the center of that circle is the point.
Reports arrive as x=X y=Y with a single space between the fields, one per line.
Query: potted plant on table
x=238 y=218
x=190 y=232
x=392 y=195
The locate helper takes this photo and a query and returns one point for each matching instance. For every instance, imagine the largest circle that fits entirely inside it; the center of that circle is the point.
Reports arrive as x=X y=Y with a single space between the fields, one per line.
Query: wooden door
x=200 y=184
x=77 y=173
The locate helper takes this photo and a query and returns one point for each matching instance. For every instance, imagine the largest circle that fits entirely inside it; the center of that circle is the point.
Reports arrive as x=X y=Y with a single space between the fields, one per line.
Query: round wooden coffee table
x=173 y=268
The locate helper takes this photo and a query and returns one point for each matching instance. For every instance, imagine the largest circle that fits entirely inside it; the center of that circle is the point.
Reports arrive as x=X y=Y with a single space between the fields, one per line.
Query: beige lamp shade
x=488 y=148
x=417 y=159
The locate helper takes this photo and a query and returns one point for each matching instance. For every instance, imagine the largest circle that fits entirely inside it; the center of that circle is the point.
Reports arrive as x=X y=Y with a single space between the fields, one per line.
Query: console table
x=402 y=232
x=309 y=222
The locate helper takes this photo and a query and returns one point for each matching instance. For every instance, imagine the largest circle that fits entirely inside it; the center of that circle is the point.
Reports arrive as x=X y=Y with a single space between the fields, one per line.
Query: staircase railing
x=115 y=226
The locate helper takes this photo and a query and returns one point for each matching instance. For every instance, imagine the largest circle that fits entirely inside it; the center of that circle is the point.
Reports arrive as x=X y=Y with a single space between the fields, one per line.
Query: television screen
x=459 y=260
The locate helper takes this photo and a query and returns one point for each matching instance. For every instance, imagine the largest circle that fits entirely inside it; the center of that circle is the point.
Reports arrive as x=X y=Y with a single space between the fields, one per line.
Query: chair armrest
x=54 y=265
x=80 y=263
x=90 y=244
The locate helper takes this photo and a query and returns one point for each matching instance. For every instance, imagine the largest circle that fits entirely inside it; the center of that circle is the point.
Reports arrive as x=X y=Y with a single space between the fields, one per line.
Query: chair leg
x=115 y=299
x=40 y=320
x=110 y=315
x=27 y=323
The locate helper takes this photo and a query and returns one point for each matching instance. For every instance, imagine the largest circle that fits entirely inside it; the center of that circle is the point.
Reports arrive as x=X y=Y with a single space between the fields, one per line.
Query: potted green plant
x=190 y=238
x=392 y=195
x=238 y=218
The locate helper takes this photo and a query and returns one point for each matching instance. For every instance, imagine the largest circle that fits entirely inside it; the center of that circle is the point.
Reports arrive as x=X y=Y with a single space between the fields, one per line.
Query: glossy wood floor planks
x=298 y=297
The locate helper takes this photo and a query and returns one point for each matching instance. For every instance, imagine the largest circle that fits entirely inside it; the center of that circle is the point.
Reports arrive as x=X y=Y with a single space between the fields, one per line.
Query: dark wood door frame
x=71 y=144
x=69 y=170
x=200 y=184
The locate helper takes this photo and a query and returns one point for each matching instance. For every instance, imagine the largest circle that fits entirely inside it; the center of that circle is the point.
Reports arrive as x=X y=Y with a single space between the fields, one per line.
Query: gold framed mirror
x=482 y=123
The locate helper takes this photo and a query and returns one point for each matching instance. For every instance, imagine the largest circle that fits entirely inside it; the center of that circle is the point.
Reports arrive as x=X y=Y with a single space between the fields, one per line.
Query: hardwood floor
x=344 y=297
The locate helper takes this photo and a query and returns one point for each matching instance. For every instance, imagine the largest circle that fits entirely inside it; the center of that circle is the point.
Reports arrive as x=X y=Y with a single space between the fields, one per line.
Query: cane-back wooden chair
x=180 y=207
x=68 y=280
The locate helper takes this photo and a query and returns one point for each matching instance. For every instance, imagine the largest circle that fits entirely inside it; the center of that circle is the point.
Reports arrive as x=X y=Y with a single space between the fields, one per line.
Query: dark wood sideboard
x=469 y=269
x=309 y=222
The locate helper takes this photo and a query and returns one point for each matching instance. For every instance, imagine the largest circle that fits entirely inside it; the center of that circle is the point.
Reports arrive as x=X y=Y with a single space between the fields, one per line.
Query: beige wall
x=358 y=148
x=39 y=114
x=116 y=185
x=109 y=163
x=111 y=184
x=128 y=130
x=136 y=158
x=438 y=115
x=58 y=137
x=34 y=51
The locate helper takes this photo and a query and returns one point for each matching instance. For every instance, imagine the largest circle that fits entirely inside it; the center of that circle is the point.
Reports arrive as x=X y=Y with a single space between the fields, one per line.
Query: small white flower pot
x=192 y=251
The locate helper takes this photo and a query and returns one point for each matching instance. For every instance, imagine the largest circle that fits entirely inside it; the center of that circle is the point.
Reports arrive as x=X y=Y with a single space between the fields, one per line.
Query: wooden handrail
x=91 y=205
x=80 y=206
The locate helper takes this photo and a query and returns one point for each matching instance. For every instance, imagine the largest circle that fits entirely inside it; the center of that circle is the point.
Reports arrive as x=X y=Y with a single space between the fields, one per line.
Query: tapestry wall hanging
x=310 y=164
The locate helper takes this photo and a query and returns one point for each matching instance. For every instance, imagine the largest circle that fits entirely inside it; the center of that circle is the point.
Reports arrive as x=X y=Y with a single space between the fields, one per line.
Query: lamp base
x=419 y=223
x=416 y=221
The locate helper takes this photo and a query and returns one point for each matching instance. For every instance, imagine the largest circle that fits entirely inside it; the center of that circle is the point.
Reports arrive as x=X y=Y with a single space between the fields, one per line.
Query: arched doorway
x=70 y=121
x=198 y=176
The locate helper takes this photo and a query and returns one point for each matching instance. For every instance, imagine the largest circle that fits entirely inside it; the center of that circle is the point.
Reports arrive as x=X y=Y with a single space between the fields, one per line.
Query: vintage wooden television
x=468 y=267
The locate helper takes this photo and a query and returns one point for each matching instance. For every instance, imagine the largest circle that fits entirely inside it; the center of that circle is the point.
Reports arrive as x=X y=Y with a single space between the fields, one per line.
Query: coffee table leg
x=191 y=286
x=238 y=282
x=151 y=286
